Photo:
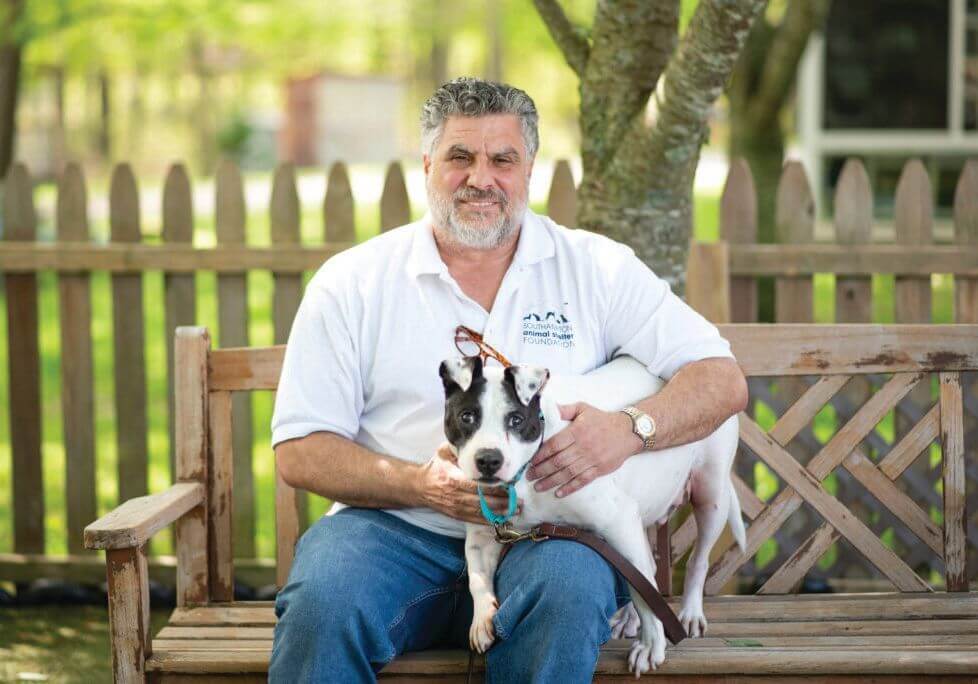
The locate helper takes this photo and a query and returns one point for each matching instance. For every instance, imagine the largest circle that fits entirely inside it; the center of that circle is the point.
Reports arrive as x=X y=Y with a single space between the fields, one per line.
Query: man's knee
x=562 y=585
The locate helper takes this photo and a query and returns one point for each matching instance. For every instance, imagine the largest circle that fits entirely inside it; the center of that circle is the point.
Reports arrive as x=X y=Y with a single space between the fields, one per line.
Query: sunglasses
x=470 y=343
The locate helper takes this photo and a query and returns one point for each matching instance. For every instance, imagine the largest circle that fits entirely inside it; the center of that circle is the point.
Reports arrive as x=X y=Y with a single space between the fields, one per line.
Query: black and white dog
x=496 y=419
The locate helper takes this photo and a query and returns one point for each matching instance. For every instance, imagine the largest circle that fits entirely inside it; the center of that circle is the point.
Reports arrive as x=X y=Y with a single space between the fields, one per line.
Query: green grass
x=260 y=333
x=68 y=645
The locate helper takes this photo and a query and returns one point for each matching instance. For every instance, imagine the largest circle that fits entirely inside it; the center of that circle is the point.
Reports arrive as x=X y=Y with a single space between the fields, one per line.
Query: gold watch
x=643 y=425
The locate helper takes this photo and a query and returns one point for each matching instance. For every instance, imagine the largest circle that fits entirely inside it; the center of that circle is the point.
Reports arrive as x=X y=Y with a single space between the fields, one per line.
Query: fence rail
x=722 y=282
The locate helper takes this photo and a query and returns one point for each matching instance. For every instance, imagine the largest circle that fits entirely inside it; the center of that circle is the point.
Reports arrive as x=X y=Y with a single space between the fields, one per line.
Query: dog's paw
x=482 y=634
x=693 y=621
x=645 y=656
x=625 y=622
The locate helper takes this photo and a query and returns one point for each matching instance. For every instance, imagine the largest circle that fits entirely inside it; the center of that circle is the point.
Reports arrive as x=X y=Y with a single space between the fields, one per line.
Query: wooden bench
x=911 y=632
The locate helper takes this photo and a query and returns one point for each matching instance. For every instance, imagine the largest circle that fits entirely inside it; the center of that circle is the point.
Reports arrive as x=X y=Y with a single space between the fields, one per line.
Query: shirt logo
x=548 y=328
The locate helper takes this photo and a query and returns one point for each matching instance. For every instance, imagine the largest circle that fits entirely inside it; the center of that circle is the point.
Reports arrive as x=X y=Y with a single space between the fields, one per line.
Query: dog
x=495 y=421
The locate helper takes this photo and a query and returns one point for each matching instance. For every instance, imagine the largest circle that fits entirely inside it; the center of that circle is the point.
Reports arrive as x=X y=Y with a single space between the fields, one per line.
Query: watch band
x=633 y=413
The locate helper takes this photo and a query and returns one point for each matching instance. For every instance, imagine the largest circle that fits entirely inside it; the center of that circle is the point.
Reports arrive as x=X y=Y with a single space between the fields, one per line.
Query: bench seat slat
x=801 y=608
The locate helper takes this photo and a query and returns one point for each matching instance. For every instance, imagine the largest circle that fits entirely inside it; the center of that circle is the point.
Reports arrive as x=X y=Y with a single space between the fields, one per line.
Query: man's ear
x=527 y=381
x=459 y=373
x=426 y=164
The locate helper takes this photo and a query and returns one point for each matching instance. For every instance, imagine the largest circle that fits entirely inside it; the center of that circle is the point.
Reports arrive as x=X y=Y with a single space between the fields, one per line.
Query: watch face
x=644 y=425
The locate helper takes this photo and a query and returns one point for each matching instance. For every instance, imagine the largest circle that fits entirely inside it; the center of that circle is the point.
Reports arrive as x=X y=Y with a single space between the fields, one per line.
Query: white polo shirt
x=376 y=321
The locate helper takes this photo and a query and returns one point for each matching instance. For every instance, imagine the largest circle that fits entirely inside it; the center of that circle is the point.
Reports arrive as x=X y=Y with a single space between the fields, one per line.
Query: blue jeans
x=366 y=586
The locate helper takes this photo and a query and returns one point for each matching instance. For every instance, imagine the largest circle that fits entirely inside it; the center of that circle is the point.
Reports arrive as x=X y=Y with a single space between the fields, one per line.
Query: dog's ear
x=458 y=373
x=527 y=381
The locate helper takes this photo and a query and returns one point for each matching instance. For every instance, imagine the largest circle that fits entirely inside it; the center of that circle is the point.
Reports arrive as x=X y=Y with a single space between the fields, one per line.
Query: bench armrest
x=131 y=524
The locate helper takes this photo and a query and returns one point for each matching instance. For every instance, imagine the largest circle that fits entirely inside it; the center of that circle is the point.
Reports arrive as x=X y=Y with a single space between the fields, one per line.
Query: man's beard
x=476 y=232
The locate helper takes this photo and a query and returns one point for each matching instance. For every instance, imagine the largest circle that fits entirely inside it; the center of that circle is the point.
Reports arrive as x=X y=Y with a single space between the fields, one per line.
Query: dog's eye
x=514 y=420
x=467 y=416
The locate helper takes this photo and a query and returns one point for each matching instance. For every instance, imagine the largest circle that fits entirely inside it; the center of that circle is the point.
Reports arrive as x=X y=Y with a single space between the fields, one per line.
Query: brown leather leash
x=544 y=531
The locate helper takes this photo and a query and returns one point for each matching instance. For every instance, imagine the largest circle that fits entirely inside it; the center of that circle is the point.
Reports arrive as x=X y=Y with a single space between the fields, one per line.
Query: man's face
x=478 y=178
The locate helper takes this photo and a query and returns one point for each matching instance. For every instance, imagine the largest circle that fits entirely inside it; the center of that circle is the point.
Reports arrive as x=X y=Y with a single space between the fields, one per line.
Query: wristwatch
x=643 y=425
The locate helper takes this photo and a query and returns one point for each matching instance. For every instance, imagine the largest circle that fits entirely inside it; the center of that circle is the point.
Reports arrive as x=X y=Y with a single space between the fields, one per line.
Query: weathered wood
x=849 y=260
x=232 y=307
x=803 y=411
x=707 y=280
x=562 y=200
x=179 y=289
x=129 y=343
x=830 y=350
x=966 y=236
x=77 y=376
x=288 y=287
x=286 y=528
x=133 y=523
x=760 y=350
x=24 y=369
x=220 y=498
x=338 y=207
x=819 y=467
x=738 y=225
x=808 y=486
x=795 y=224
x=128 y=588
x=853 y=225
x=191 y=347
x=395 y=208
x=173 y=258
x=955 y=483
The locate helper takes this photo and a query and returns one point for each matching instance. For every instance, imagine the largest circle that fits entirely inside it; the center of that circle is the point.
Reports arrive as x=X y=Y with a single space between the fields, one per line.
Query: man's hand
x=445 y=488
x=595 y=443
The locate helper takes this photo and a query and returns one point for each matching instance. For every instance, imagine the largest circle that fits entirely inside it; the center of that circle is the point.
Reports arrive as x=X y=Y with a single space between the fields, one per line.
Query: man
x=358 y=414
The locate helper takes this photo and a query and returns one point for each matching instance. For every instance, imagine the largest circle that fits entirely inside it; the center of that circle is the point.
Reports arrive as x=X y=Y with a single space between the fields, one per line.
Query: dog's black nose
x=488 y=461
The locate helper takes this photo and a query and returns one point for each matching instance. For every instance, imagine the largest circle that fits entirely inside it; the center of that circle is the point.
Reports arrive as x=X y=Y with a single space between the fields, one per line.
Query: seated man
x=359 y=410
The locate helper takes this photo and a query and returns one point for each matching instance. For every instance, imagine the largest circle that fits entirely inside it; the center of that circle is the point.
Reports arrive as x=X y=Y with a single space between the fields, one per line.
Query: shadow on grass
x=58 y=643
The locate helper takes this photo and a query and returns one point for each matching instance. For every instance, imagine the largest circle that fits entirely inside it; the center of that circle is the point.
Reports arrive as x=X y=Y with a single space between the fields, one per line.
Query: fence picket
x=395 y=208
x=128 y=342
x=179 y=289
x=853 y=210
x=738 y=224
x=287 y=286
x=562 y=200
x=24 y=369
x=77 y=377
x=232 y=308
x=914 y=211
x=338 y=216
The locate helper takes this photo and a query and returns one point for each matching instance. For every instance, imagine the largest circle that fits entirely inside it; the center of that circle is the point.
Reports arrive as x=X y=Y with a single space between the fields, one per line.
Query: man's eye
x=514 y=420
x=467 y=417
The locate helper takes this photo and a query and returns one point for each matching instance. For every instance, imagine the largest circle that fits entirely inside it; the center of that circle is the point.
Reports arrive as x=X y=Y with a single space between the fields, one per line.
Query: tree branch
x=694 y=79
x=569 y=38
x=781 y=62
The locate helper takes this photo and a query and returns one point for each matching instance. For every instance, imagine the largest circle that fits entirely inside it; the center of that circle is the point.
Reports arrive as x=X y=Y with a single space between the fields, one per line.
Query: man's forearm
x=341 y=470
x=694 y=402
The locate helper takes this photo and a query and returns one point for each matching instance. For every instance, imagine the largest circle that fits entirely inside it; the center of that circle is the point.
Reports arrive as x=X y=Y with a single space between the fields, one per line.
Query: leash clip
x=505 y=534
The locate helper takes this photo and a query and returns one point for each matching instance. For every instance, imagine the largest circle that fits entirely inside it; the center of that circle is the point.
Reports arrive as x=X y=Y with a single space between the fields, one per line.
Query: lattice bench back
x=817 y=362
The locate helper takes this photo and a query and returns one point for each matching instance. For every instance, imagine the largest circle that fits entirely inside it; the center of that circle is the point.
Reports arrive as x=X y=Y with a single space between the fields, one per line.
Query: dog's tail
x=735 y=519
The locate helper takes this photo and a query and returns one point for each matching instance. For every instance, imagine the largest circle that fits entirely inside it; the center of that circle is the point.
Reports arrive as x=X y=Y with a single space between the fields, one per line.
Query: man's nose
x=488 y=461
x=480 y=175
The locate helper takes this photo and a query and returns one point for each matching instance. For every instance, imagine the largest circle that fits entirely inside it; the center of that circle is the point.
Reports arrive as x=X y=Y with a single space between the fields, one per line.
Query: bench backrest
x=815 y=362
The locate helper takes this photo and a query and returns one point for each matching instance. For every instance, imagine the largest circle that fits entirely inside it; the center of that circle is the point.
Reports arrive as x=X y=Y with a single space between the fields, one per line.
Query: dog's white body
x=619 y=506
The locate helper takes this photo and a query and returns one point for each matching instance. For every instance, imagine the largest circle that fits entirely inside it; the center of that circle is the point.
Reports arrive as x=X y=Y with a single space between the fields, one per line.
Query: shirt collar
x=535 y=244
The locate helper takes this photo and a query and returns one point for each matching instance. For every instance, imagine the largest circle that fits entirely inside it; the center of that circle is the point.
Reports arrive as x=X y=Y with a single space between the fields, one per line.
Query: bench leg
x=128 y=581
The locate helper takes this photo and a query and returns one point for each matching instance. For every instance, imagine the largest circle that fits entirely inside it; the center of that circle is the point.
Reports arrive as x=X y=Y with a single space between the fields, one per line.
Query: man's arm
x=698 y=398
x=341 y=470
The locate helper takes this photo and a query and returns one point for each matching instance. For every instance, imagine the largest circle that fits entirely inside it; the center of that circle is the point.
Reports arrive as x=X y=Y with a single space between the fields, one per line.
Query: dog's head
x=492 y=416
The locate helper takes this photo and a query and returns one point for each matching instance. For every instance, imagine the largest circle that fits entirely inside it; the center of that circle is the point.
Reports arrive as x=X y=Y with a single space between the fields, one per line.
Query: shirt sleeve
x=648 y=322
x=320 y=388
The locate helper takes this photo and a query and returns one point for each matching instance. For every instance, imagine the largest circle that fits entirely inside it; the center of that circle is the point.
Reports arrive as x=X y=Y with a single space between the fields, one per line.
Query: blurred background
x=311 y=83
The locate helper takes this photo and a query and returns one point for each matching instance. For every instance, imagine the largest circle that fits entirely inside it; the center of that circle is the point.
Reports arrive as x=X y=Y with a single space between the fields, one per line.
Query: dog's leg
x=482 y=557
x=625 y=622
x=710 y=506
x=627 y=535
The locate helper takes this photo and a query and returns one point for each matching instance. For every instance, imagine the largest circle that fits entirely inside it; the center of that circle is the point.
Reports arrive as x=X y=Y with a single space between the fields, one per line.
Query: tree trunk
x=494 y=51
x=637 y=185
x=105 y=117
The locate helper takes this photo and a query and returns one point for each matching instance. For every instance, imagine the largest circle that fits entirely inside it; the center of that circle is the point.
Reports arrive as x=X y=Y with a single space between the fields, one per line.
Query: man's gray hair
x=468 y=96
